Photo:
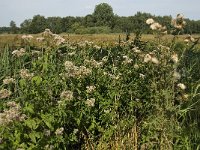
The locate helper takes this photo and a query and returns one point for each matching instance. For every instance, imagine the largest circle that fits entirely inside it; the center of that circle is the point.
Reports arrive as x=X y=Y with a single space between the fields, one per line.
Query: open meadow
x=99 y=92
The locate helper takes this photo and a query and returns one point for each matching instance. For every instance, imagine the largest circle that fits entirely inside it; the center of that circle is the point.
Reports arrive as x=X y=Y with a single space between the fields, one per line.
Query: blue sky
x=19 y=10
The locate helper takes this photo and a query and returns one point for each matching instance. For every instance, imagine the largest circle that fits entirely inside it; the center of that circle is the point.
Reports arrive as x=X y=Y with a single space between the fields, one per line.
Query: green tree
x=55 y=24
x=25 y=26
x=88 y=21
x=38 y=24
x=67 y=22
x=103 y=15
x=13 y=27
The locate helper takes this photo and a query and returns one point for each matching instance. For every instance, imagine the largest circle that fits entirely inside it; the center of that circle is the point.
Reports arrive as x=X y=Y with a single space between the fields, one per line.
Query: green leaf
x=37 y=80
x=22 y=83
x=31 y=123
x=48 y=119
x=33 y=135
x=29 y=108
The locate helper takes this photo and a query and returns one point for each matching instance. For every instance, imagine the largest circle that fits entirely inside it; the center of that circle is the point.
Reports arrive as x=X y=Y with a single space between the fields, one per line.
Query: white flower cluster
x=90 y=89
x=66 y=95
x=150 y=58
x=127 y=60
x=59 y=131
x=12 y=114
x=93 y=63
x=155 y=25
x=8 y=80
x=25 y=74
x=179 y=22
x=19 y=53
x=27 y=37
x=90 y=102
x=4 y=93
x=75 y=71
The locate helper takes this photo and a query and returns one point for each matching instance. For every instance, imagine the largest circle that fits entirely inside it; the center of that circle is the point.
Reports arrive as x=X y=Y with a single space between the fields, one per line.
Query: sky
x=19 y=10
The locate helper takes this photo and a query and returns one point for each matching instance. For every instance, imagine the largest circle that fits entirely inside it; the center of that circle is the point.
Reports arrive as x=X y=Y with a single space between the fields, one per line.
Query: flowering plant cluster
x=62 y=95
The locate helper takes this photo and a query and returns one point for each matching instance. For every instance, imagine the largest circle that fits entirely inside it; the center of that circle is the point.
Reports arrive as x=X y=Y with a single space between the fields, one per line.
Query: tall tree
x=38 y=24
x=25 y=26
x=103 y=15
x=13 y=27
x=54 y=24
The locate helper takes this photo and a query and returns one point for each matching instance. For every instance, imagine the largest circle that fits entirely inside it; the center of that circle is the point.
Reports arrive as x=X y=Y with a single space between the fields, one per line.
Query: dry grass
x=15 y=39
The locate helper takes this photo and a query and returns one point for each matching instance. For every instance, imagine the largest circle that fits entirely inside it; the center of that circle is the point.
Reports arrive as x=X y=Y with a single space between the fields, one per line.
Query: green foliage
x=103 y=15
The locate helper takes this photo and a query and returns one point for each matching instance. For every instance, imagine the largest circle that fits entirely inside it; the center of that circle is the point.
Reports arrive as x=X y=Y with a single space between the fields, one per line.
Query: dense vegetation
x=102 y=20
x=128 y=95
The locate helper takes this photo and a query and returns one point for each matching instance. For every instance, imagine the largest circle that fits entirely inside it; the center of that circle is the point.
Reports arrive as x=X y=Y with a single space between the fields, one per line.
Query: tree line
x=102 y=20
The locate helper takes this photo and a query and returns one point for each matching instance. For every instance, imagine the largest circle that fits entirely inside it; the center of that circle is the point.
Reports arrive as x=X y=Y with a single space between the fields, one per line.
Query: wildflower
x=40 y=39
x=19 y=53
x=147 y=58
x=181 y=86
x=142 y=75
x=189 y=38
x=12 y=104
x=72 y=53
x=47 y=33
x=68 y=65
x=49 y=147
x=67 y=95
x=90 y=102
x=47 y=132
x=127 y=60
x=12 y=114
x=8 y=80
x=34 y=52
x=179 y=22
x=154 y=60
x=93 y=63
x=24 y=73
x=156 y=26
x=105 y=59
x=97 y=47
x=174 y=58
x=164 y=32
x=58 y=39
x=106 y=111
x=185 y=96
x=136 y=50
x=176 y=75
x=4 y=93
x=186 y=40
x=136 y=66
x=90 y=89
x=59 y=131
x=149 y=21
x=84 y=71
x=27 y=37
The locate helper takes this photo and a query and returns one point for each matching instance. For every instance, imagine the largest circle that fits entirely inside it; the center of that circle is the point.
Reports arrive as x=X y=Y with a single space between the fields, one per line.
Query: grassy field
x=15 y=39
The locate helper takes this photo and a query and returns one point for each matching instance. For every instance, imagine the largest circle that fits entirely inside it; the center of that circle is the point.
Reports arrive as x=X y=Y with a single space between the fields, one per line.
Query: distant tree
x=88 y=21
x=54 y=24
x=13 y=27
x=67 y=22
x=26 y=26
x=103 y=15
x=38 y=24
